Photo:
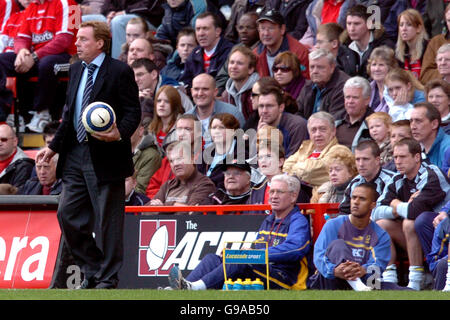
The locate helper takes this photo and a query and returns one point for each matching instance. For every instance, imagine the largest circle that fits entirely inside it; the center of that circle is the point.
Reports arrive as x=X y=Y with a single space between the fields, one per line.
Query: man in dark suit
x=93 y=167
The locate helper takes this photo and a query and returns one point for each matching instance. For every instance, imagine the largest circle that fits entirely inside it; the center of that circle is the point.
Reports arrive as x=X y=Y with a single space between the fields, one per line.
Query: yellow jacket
x=311 y=171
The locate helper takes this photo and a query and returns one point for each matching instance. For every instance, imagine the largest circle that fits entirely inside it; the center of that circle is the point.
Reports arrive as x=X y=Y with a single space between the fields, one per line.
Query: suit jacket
x=116 y=86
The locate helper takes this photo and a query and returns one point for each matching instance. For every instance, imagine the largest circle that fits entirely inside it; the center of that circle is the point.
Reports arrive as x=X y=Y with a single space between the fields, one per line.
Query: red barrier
x=29 y=242
x=317 y=218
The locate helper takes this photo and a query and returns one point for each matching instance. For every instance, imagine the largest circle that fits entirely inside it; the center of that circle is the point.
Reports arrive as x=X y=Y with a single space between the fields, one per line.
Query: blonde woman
x=412 y=41
x=401 y=92
x=341 y=170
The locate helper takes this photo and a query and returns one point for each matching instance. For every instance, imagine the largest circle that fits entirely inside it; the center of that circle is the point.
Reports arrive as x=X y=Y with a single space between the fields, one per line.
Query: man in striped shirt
x=418 y=188
x=367 y=156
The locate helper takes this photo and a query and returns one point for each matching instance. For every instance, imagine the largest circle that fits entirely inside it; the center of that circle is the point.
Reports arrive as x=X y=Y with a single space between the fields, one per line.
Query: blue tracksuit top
x=439 y=245
x=374 y=242
x=289 y=241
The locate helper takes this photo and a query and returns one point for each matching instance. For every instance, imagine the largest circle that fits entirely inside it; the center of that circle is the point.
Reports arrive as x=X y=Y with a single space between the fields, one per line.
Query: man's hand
x=394 y=203
x=45 y=155
x=413 y=196
x=24 y=61
x=441 y=216
x=111 y=135
x=349 y=270
x=145 y=93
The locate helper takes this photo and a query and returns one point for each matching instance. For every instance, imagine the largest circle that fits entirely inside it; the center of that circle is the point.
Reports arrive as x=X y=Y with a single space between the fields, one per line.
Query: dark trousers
x=87 y=206
x=425 y=230
x=440 y=274
x=210 y=270
x=43 y=69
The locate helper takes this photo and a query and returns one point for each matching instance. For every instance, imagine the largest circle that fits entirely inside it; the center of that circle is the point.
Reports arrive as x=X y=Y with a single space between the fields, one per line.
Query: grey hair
x=292 y=182
x=322 y=115
x=444 y=48
x=359 y=83
x=322 y=53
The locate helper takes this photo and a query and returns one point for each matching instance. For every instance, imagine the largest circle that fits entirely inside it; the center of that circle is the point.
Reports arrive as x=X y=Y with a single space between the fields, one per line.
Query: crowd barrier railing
x=317 y=211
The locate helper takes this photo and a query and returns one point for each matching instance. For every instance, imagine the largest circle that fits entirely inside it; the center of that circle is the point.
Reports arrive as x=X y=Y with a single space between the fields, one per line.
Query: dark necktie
x=81 y=131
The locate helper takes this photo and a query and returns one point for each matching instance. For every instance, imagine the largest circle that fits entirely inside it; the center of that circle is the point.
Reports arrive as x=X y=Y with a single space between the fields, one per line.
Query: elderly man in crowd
x=353 y=128
x=324 y=91
x=237 y=181
x=308 y=163
x=189 y=187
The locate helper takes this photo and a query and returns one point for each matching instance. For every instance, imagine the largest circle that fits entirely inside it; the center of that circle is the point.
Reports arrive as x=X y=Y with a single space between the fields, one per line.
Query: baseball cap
x=237 y=164
x=273 y=16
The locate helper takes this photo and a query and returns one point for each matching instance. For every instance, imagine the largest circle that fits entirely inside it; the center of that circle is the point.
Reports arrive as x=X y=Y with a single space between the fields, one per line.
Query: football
x=98 y=117
x=157 y=248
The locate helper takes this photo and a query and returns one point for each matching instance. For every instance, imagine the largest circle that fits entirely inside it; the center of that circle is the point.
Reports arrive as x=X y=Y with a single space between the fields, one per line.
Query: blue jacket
x=439 y=149
x=439 y=244
x=446 y=164
x=289 y=242
x=375 y=242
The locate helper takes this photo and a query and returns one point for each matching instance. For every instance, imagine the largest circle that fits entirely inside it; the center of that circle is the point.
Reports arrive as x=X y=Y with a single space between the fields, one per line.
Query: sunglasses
x=283 y=69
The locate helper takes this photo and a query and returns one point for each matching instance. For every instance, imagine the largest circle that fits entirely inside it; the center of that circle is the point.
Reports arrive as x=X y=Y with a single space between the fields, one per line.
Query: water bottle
x=248 y=284
x=228 y=285
x=257 y=284
x=238 y=285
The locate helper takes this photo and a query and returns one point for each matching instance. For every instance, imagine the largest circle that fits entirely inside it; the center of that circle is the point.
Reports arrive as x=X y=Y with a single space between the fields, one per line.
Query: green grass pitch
x=147 y=294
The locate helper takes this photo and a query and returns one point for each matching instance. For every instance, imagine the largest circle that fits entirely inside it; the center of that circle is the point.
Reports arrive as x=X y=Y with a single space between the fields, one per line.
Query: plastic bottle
x=228 y=284
x=248 y=284
x=238 y=285
x=257 y=284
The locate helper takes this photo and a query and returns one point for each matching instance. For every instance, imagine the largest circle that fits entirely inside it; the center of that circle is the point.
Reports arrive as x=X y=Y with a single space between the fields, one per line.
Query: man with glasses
x=288 y=236
x=271 y=112
x=273 y=40
x=15 y=165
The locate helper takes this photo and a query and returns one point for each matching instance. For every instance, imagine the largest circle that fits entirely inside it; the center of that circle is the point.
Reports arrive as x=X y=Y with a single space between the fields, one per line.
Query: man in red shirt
x=46 y=37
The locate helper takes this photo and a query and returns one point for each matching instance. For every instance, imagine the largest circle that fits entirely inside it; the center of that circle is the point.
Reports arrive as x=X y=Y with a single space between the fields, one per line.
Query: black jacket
x=149 y=9
x=116 y=86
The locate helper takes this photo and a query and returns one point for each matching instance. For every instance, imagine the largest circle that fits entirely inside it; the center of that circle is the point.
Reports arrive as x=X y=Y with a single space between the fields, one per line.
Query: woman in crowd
x=166 y=110
x=379 y=124
x=225 y=147
x=271 y=158
x=341 y=170
x=412 y=41
x=381 y=61
x=438 y=94
x=402 y=91
x=136 y=28
x=286 y=70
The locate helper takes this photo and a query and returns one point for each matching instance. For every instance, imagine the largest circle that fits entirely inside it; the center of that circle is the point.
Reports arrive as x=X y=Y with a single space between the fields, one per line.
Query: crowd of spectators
x=318 y=90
